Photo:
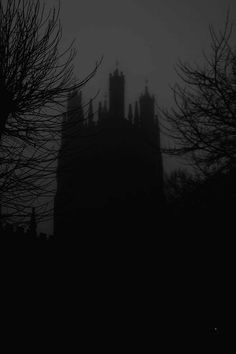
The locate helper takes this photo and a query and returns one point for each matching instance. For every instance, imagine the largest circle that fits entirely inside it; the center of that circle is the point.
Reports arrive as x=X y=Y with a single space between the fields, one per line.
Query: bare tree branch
x=203 y=122
x=35 y=80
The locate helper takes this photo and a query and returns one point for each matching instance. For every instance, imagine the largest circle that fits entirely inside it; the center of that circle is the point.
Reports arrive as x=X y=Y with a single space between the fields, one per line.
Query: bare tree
x=35 y=80
x=202 y=123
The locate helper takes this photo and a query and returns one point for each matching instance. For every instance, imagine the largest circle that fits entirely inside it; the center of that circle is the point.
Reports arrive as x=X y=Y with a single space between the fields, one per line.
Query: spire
x=33 y=225
x=90 y=113
x=136 y=115
x=130 y=114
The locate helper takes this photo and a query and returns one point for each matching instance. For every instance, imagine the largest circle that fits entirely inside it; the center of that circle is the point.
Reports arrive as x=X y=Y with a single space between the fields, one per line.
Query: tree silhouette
x=35 y=80
x=202 y=123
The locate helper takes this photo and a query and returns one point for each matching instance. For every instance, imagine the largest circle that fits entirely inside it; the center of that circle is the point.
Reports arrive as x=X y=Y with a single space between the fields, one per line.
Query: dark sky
x=146 y=37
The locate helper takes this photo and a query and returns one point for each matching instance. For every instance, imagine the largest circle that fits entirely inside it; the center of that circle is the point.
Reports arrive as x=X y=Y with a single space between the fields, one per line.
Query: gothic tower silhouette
x=108 y=161
x=117 y=95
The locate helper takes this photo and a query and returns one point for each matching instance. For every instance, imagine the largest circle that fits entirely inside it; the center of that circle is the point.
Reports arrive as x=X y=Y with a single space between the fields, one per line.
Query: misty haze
x=118 y=133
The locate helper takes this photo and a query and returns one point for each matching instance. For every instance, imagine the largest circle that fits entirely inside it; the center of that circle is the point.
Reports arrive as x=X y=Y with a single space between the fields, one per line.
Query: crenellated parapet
x=141 y=114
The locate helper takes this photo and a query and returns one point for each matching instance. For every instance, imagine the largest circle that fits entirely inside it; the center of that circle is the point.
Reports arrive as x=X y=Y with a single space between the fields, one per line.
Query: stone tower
x=111 y=162
x=117 y=95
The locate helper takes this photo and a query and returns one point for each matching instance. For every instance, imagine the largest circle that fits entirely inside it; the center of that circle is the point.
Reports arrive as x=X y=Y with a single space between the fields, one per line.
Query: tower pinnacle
x=117 y=95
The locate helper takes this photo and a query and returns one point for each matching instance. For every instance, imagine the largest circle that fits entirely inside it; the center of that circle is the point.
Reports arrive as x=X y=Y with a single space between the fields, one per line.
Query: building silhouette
x=20 y=233
x=108 y=160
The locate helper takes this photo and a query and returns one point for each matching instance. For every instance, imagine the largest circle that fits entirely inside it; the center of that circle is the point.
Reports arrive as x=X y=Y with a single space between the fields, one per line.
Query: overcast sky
x=146 y=37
